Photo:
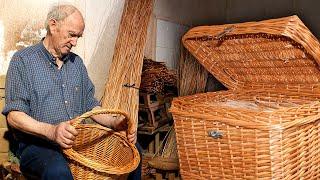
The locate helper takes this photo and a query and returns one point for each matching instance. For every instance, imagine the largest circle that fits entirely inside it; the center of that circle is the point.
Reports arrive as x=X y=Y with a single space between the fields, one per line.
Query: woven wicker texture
x=277 y=52
x=278 y=141
x=99 y=152
x=267 y=125
x=192 y=76
x=127 y=62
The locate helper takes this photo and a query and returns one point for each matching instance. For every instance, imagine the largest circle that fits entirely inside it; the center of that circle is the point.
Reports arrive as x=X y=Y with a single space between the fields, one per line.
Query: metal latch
x=224 y=32
x=215 y=134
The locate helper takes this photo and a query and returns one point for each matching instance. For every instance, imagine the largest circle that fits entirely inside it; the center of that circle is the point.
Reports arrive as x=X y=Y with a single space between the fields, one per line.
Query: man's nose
x=74 y=41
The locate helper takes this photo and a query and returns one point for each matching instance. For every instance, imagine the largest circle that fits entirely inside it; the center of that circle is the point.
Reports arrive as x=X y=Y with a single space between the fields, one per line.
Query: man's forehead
x=74 y=23
x=75 y=17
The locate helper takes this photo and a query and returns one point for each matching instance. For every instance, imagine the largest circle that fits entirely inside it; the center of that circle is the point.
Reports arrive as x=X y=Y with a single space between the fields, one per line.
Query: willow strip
x=127 y=61
x=156 y=78
x=192 y=76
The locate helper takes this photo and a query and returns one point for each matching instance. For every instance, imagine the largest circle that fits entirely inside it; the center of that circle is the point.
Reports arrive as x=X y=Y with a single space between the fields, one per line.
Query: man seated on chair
x=47 y=86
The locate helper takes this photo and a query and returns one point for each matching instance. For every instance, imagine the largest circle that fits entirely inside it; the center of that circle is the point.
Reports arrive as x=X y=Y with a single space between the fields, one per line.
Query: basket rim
x=79 y=158
x=242 y=117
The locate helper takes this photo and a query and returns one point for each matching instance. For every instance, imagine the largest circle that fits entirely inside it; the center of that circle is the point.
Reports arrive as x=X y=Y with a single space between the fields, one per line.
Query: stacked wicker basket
x=267 y=124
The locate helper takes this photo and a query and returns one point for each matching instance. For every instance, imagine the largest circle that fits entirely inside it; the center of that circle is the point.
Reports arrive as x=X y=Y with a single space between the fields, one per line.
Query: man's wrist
x=49 y=132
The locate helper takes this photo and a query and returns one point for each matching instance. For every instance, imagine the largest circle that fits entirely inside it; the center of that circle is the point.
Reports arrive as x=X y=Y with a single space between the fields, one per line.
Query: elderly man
x=47 y=86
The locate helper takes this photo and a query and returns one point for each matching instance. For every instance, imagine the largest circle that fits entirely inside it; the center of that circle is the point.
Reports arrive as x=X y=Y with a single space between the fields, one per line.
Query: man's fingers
x=132 y=137
x=68 y=135
x=133 y=140
x=67 y=141
x=65 y=146
x=71 y=130
x=65 y=134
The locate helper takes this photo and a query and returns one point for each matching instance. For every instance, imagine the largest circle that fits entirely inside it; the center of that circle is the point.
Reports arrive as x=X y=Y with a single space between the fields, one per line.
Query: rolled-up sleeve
x=17 y=95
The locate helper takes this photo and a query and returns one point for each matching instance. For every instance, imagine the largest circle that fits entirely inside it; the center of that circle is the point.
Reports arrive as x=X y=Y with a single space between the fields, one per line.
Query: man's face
x=65 y=33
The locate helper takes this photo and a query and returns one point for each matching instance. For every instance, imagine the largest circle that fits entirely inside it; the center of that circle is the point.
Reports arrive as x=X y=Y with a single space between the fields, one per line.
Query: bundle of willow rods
x=156 y=78
x=192 y=75
x=127 y=61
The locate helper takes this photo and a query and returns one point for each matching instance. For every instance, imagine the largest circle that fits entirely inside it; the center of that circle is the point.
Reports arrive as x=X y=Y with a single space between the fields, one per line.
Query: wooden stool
x=156 y=117
x=165 y=167
x=152 y=112
x=167 y=162
x=147 y=100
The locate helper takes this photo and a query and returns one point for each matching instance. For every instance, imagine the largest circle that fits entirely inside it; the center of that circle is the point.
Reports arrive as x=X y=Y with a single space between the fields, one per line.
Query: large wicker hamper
x=266 y=125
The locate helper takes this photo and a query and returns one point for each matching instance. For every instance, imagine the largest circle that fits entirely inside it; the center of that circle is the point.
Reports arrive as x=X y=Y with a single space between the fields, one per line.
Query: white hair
x=59 y=13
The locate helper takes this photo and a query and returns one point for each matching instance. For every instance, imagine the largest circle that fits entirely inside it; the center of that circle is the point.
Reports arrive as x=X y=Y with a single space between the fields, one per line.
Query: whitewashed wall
x=21 y=24
x=168 y=41
x=103 y=20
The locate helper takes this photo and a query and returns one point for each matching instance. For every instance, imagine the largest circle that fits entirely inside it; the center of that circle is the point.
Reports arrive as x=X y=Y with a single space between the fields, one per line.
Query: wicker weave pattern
x=278 y=144
x=271 y=53
x=99 y=152
x=267 y=125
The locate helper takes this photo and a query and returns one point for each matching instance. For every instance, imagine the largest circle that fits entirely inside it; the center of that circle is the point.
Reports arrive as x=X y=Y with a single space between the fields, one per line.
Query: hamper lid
x=272 y=53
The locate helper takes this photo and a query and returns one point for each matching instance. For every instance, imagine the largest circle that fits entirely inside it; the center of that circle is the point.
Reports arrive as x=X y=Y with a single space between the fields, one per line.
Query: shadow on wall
x=100 y=61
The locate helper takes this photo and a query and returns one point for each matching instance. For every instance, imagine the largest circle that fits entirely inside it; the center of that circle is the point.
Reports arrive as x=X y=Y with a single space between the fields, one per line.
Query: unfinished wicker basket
x=99 y=152
x=267 y=125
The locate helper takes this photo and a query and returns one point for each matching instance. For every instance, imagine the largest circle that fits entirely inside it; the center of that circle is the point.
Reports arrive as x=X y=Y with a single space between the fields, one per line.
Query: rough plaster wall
x=22 y=24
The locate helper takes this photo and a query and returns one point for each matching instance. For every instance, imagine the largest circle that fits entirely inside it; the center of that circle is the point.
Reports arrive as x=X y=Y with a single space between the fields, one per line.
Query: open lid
x=272 y=53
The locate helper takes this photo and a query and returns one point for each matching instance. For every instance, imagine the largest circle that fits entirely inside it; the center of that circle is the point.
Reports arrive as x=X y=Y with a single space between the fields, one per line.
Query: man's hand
x=116 y=122
x=64 y=134
x=132 y=137
x=119 y=123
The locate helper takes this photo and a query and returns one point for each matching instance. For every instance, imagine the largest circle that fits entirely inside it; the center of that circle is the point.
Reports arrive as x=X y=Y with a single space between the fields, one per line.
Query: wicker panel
x=99 y=152
x=267 y=125
x=272 y=53
x=265 y=134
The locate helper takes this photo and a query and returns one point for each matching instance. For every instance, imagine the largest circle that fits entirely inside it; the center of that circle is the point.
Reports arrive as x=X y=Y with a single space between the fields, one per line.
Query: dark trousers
x=47 y=162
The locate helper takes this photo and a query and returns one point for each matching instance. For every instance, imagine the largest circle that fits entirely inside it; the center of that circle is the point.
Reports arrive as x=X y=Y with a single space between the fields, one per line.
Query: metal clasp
x=224 y=32
x=215 y=134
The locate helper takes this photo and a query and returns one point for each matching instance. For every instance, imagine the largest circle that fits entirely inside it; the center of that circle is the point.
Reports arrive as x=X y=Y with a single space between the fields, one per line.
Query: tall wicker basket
x=266 y=125
x=99 y=152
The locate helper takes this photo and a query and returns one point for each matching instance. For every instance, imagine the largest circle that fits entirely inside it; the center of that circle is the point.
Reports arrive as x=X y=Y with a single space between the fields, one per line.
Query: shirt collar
x=50 y=57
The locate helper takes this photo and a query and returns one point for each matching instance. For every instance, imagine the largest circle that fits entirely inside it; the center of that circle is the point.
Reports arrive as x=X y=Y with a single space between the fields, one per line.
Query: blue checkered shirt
x=37 y=87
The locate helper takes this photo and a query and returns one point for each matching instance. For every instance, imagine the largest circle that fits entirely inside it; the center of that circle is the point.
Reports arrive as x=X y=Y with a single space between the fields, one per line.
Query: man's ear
x=53 y=25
